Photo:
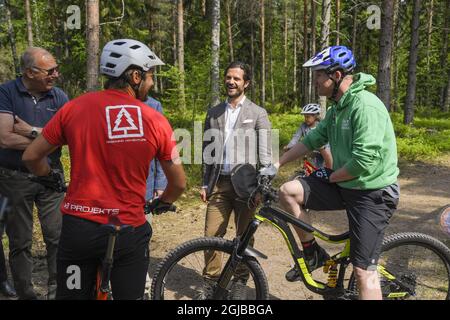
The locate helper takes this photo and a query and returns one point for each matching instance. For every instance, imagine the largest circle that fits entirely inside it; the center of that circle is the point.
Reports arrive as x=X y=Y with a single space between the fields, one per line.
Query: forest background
x=404 y=44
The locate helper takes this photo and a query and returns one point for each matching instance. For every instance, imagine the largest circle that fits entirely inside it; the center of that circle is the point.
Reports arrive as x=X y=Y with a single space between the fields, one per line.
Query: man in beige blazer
x=237 y=131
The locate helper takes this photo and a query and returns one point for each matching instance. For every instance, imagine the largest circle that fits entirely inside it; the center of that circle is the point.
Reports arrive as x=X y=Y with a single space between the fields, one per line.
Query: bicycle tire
x=401 y=242
x=165 y=267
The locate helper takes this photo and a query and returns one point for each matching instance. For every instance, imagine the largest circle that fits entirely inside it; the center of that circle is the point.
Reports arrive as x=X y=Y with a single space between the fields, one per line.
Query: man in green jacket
x=364 y=176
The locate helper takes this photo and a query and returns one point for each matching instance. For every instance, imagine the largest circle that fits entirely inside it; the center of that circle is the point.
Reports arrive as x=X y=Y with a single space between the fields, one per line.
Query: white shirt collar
x=240 y=103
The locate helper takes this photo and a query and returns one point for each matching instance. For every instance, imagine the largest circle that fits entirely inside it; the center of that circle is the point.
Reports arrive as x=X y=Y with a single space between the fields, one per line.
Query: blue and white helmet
x=332 y=59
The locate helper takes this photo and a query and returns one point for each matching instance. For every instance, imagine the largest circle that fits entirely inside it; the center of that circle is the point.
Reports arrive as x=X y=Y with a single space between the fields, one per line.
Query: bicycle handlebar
x=158 y=207
x=265 y=188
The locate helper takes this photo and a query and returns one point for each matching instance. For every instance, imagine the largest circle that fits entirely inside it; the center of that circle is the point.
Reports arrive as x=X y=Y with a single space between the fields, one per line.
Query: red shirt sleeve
x=167 y=146
x=53 y=131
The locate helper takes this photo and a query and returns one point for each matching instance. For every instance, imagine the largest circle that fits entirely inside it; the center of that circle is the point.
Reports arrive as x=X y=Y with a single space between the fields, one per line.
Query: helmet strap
x=136 y=87
x=337 y=84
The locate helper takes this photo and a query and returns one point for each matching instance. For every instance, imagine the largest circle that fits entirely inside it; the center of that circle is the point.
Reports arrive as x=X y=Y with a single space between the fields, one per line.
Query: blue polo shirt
x=16 y=100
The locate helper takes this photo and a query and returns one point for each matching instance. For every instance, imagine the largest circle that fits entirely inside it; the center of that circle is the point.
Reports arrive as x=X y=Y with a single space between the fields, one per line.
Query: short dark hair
x=240 y=65
x=123 y=81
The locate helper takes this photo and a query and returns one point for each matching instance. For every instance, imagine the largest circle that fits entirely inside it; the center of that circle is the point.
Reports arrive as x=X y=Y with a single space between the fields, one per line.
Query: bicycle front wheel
x=180 y=276
x=413 y=266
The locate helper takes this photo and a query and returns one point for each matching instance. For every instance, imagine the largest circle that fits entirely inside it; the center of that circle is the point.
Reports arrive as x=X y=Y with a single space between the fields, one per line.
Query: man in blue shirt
x=156 y=181
x=26 y=105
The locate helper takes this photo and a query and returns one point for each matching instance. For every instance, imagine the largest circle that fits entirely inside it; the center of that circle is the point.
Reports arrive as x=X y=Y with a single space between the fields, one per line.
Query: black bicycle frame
x=280 y=220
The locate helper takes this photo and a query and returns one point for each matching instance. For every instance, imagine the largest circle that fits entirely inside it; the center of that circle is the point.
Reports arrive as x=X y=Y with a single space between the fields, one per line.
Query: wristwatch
x=34 y=133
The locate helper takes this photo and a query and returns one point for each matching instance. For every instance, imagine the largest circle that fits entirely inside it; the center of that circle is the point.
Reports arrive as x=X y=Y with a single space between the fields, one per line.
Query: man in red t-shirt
x=112 y=137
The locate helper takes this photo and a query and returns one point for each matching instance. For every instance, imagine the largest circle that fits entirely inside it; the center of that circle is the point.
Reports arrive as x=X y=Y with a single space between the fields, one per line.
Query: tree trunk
x=229 y=29
x=203 y=7
x=36 y=22
x=174 y=35
x=93 y=37
x=443 y=60
x=355 y=28
x=286 y=77
x=324 y=42
x=252 y=54
x=338 y=21
x=12 y=39
x=29 y=23
x=412 y=64
x=272 y=85
x=385 y=52
x=396 y=40
x=180 y=53
x=263 y=54
x=305 y=88
x=161 y=52
x=326 y=18
x=61 y=37
x=446 y=105
x=294 y=44
x=312 y=92
x=152 y=10
x=429 y=30
x=215 y=47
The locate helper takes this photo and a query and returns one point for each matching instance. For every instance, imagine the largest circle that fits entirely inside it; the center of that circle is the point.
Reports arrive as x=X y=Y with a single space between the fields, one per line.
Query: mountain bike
x=411 y=266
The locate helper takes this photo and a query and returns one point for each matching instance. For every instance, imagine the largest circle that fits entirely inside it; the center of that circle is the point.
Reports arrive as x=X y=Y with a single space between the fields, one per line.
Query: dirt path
x=425 y=189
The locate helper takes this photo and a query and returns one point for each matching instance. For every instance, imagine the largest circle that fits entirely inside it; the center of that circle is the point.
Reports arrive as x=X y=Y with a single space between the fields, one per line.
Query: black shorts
x=368 y=212
x=82 y=248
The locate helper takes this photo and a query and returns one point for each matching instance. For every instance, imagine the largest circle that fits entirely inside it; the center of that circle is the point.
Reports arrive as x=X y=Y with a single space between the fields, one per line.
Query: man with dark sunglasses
x=48 y=72
x=26 y=105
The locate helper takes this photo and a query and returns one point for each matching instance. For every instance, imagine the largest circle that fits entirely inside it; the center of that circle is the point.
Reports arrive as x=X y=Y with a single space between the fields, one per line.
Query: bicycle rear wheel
x=180 y=275
x=413 y=266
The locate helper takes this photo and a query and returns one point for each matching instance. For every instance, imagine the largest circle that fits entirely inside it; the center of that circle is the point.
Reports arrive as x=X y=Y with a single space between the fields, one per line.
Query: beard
x=234 y=92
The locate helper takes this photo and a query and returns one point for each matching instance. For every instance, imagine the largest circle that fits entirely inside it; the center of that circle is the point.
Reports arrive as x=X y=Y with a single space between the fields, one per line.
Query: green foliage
x=425 y=139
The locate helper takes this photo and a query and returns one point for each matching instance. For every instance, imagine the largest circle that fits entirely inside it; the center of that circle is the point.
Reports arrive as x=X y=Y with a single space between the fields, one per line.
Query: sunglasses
x=49 y=72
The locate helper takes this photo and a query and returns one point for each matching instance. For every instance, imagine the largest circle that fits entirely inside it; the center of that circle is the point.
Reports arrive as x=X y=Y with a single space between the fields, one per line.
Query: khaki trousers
x=222 y=202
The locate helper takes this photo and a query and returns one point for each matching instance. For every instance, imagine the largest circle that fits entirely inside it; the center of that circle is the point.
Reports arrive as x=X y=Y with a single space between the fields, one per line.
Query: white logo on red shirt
x=124 y=122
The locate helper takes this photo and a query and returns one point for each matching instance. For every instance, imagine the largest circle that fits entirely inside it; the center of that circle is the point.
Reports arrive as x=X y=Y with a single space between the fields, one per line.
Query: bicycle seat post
x=109 y=257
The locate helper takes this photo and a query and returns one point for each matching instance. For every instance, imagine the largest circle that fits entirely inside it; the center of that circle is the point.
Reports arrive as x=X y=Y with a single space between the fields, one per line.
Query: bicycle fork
x=240 y=250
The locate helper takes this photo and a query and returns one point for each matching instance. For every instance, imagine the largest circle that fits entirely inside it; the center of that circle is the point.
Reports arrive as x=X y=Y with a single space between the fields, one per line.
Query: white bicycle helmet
x=118 y=55
x=311 y=108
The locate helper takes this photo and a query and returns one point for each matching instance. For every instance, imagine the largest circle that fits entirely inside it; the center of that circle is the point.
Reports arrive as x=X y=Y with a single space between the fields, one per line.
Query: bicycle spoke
x=418 y=268
x=182 y=277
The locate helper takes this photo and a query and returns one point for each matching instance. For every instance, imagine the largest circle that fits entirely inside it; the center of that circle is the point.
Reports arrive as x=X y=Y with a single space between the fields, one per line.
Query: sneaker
x=206 y=291
x=7 y=289
x=293 y=274
x=318 y=260
x=238 y=290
